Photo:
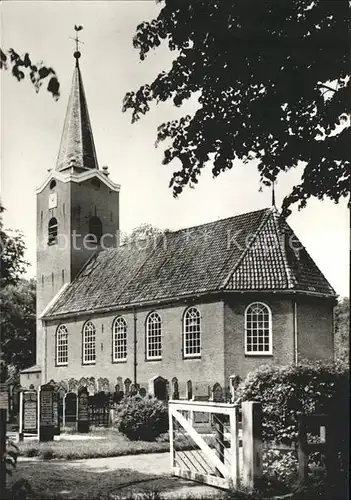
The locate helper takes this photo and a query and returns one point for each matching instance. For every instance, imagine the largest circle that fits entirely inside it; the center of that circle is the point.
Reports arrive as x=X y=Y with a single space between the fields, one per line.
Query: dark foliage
x=317 y=387
x=38 y=73
x=342 y=330
x=272 y=84
x=142 y=418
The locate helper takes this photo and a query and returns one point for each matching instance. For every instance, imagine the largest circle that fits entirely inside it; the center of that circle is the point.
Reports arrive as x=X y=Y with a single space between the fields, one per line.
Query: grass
x=59 y=480
x=111 y=444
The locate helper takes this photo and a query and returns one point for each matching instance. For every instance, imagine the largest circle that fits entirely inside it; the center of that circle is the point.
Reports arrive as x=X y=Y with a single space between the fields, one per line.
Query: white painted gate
x=205 y=453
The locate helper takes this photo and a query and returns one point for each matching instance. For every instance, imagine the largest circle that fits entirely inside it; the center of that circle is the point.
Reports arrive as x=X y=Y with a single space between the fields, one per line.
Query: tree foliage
x=18 y=323
x=342 y=330
x=12 y=261
x=273 y=80
x=141 y=233
x=38 y=73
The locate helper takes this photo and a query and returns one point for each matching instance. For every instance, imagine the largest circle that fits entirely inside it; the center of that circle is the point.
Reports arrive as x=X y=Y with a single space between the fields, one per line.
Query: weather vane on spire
x=76 y=39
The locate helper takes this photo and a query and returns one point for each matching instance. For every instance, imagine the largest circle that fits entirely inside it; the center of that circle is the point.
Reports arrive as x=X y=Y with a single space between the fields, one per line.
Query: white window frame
x=61 y=331
x=148 y=336
x=119 y=338
x=92 y=328
x=187 y=333
x=270 y=350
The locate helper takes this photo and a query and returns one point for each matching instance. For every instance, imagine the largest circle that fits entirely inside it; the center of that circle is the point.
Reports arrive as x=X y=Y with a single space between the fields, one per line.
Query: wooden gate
x=209 y=456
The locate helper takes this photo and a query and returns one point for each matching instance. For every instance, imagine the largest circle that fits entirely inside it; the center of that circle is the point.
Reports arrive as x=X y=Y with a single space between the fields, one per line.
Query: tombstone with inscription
x=29 y=413
x=70 y=409
x=46 y=412
x=83 y=414
x=55 y=410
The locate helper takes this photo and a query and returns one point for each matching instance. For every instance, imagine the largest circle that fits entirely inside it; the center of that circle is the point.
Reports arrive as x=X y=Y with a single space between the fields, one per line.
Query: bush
x=307 y=388
x=142 y=419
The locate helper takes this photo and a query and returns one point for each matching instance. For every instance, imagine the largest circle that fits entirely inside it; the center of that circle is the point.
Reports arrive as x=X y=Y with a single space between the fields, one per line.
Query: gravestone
x=55 y=411
x=46 y=413
x=4 y=397
x=83 y=413
x=217 y=393
x=29 y=412
x=142 y=392
x=70 y=409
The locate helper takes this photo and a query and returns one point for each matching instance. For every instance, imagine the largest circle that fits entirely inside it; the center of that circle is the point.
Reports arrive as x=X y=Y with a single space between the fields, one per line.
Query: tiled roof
x=245 y=252
x=77 y=147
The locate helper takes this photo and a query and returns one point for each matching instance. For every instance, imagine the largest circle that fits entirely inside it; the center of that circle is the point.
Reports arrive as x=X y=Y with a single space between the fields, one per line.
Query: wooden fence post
x=251 y=443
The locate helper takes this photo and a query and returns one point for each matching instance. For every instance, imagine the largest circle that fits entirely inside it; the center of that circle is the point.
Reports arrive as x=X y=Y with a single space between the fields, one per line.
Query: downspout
x=295 y=332
x=46 y=354
x=135 y=347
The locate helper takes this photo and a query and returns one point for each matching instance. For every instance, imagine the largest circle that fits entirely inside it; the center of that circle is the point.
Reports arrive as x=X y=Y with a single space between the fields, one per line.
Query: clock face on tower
x=52 y=200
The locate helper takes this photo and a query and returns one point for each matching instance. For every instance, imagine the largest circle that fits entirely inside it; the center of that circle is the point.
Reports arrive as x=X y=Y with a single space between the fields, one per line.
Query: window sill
x=61 y=364
x=88 y=362
x=195 y=356
x=253 y=354
x=153 y=359
x=118 y=361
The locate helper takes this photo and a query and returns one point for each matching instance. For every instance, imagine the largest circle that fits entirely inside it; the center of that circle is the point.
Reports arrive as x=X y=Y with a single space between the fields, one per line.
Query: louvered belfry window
x=153 y=336
x=52 y=231
x=192 y=332
x=89 y=341
x=258 y=329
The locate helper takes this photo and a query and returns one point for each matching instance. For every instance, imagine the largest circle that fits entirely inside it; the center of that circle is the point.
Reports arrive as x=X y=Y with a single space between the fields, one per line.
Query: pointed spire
x=77 y=149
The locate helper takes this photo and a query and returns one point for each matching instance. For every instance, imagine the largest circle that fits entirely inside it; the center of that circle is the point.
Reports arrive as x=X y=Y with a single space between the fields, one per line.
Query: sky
x=31 y=126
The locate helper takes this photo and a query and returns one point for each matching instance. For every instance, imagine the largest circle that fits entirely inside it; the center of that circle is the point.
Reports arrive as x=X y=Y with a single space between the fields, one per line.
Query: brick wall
x=203 y=372
x=236 y=362
x=315 y=328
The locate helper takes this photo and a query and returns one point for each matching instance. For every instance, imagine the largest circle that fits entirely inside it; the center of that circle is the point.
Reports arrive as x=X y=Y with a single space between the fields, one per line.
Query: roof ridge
x=219 y=220
x=265 y=217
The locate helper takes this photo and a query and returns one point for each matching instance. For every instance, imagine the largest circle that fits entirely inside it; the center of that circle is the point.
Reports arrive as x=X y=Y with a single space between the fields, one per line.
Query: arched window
x=153 y=336
x=258 y=329
x=52 y=231
x=119 y=340
x=192 y=333
x=89 y=349
x=62 y=345
x=95 y=230
x=52 y=184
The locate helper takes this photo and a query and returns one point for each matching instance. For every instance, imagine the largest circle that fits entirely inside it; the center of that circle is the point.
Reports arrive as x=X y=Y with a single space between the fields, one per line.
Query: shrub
x=142 y=419
x=317 y=387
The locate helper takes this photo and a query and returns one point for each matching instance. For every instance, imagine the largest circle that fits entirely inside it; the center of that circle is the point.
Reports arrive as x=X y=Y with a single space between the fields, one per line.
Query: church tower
x=77 y=208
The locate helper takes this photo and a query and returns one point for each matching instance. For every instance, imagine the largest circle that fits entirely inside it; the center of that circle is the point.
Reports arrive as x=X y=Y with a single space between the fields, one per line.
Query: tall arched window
x=258 y=329
x=95 y=230
x=89 y=348
x=119 y=340
x=153 y=336
x=52 y=231
x=192 y=333
x=62 y=345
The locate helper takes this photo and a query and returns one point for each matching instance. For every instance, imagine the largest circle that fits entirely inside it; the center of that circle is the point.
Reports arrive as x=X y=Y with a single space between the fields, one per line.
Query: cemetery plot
x=70 y=408
x=83 y=413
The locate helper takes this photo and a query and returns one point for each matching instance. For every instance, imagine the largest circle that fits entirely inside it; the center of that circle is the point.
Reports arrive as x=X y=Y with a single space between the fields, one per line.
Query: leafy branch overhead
x=38 y=73
x=273 y=80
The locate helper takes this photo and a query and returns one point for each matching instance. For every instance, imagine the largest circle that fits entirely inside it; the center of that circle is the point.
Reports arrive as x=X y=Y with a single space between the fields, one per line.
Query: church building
x=184 y=308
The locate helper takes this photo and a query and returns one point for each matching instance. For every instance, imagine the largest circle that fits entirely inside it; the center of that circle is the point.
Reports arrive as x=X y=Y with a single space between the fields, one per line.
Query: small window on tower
x=52 y=184
x=52 y=230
